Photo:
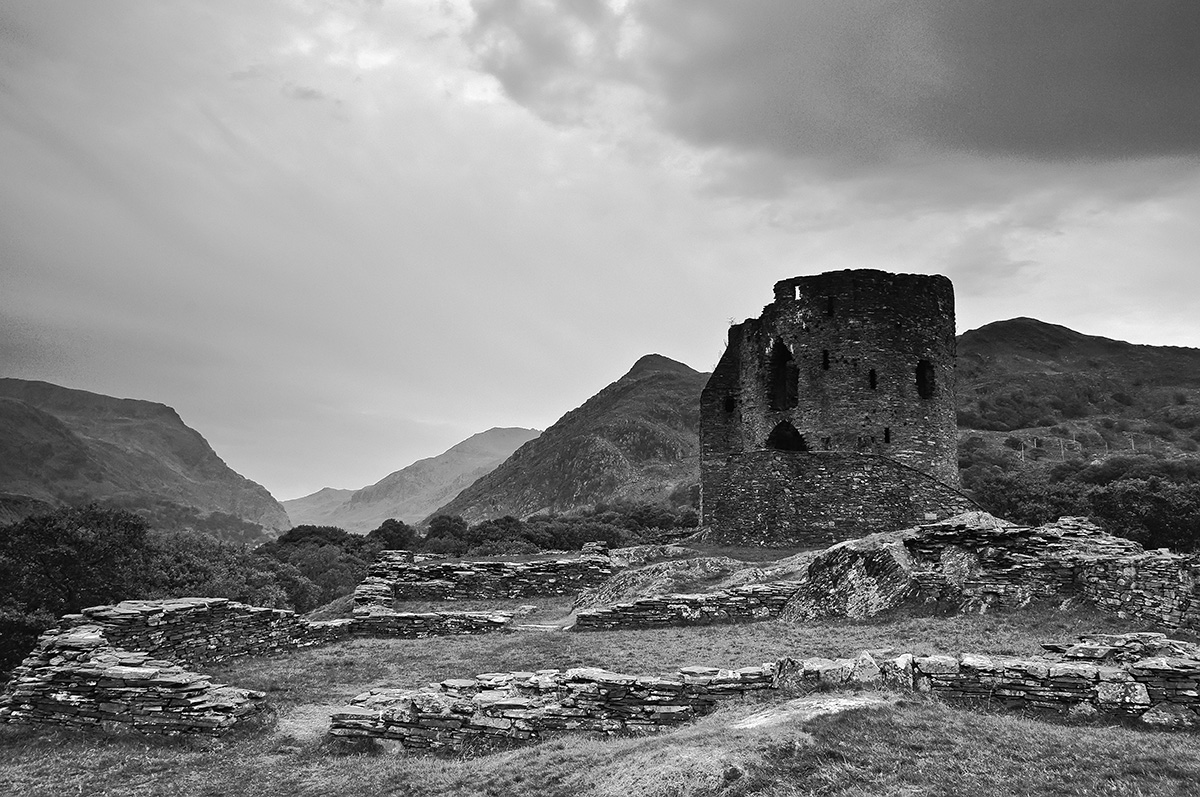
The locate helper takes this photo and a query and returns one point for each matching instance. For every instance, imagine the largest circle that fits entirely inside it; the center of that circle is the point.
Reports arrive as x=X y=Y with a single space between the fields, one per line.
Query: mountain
x=1095 y=395
x=411 y=493
x=636 y=439
x=59 y=445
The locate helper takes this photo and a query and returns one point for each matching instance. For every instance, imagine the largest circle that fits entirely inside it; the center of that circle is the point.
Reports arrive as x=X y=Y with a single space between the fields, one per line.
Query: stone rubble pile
x=392 y=577
x=527 y=705
x=740 y=604
x=78 y=679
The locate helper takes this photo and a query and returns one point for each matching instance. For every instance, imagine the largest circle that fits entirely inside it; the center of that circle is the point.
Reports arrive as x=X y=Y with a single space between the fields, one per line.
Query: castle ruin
x=832 y=415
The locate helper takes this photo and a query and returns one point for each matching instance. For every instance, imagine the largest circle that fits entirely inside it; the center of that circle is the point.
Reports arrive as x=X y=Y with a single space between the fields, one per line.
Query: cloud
x=864 y=81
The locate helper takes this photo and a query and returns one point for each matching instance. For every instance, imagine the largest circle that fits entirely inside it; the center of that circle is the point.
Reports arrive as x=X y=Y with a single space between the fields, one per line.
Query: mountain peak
x=653 y=363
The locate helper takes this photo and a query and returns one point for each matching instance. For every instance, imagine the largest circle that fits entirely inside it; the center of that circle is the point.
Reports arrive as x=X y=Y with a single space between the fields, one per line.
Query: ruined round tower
x=832 y=415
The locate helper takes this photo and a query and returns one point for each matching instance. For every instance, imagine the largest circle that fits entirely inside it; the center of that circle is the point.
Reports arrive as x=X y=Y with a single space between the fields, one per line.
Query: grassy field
x=917 y=747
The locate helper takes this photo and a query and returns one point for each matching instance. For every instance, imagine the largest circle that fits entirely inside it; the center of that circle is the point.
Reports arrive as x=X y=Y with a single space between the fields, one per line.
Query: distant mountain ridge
x=637 y=439
x=1024 y=373
x=60 y=445
x=410 y=493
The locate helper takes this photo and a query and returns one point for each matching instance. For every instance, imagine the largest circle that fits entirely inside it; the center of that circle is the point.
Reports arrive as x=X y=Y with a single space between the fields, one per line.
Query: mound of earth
x=973 y=560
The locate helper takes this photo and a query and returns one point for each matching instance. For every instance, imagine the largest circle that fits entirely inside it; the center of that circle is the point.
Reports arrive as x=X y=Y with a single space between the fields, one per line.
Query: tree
x=393 y=535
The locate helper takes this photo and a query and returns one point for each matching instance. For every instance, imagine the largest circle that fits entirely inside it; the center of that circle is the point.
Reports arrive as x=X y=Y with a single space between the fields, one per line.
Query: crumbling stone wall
x=393 y=577
x=1159 y=586
x=77 y=679
x=740 y=604
x=196 y=631
x=528 y=705
x=125 y=666
x=1144 y=677
x=856 y=362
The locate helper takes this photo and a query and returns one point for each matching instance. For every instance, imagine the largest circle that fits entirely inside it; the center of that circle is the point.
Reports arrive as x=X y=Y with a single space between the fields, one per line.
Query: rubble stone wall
x=1143 y=677
x=1158 y=586
x=77 y=679
x=126 y=666
x=740 y=604
x=527 y=705
x=394 y=577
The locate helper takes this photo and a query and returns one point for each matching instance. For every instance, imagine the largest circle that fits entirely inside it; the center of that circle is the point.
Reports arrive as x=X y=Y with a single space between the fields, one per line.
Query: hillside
x=59 y=445
x=410 y=493
x=1054 y=388
x=636 y=439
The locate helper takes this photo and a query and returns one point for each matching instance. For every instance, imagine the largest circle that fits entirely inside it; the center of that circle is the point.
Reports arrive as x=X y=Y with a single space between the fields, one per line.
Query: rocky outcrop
x=676 y=575
x=968 y=562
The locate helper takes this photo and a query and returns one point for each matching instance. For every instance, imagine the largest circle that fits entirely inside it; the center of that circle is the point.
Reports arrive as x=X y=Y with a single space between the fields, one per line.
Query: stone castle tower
x=832 y=415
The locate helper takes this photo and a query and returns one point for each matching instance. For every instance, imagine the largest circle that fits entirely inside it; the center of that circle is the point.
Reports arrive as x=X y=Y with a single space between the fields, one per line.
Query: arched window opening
x=887 y=434
x=785 y=437
x=827 y=443
x=873 y=378
x=825 y=359
x=784 y=388
x=925 y=379
x=730 y=404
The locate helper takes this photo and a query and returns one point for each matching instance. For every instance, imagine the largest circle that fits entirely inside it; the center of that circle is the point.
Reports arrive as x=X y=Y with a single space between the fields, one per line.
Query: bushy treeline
x=618 y=524
x=63 y=561
x=1147 y=498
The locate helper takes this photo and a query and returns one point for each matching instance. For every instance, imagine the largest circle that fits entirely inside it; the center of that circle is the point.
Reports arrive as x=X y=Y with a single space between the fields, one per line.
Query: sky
x=340 y=236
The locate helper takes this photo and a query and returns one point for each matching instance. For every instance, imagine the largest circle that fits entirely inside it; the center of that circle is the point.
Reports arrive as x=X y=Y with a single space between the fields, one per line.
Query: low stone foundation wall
x=77 y=679
x=395 y=577
x=1142 y=677
x=527 y=705
x=124 y=667
x=740 y=604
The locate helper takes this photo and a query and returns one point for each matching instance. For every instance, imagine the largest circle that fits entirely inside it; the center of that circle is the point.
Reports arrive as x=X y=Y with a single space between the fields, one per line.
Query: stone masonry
x=1143 y=677
x=737 y=605
x=832 y=415
x=126 y=666
x=394 y=577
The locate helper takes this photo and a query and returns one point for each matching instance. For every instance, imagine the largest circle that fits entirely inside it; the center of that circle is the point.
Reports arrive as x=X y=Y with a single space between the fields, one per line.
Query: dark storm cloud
x=861 y=81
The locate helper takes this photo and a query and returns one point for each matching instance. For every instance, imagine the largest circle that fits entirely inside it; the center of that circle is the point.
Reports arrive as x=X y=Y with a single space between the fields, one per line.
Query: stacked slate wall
x=1144 y=677
x=737 y=605
x=392 y=577
x=1159 y=587
x=527 y=705
x=125 y=666
x=76 y=679
x=789 y=499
